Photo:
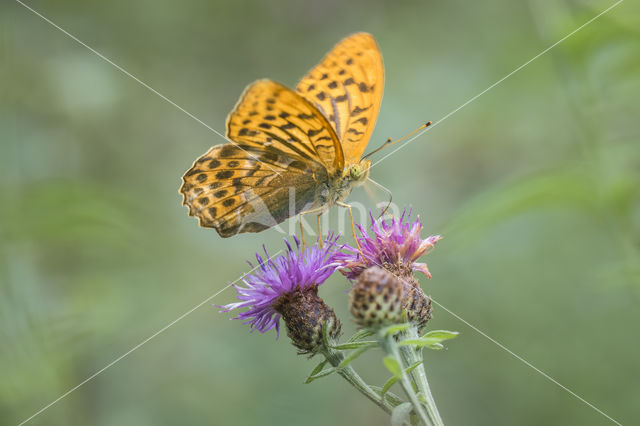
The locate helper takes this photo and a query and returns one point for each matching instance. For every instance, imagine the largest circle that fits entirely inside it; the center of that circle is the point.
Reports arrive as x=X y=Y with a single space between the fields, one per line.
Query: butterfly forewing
x=347 y=88
x=275 y=119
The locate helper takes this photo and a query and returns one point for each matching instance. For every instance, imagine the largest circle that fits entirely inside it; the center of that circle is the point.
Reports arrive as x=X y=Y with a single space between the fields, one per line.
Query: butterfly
x=291 y=152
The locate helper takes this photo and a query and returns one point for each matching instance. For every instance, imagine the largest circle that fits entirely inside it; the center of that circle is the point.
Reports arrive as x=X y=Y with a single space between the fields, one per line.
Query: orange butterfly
x=291 y=152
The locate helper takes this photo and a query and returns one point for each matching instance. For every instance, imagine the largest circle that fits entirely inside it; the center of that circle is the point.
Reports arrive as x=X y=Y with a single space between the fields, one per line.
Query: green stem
x=391 y=348
x=351 y=376
x=412 y=355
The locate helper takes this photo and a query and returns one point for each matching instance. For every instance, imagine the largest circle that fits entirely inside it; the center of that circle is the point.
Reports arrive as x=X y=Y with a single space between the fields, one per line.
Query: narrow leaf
x=321 y=374
x=431 y=340
x=361 y=334
x=412 y=367
x=393 y=366
x=325 y=334
x=442 y=334
x=315 y=371
x=353 y=355
x=385 y=388
x=393 y=329
x=421 y=343
x=394 y=399
x=356 y=345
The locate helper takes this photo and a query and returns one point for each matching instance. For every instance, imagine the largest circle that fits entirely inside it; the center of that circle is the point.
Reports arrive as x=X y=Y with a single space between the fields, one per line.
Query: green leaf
x=413 y=367
x=387 y=385
x=321 y=374
x=315 y=371
x=361 y=334
x=356 y=345
x=393 y=380
x=393 y=366
x=431 y=340
x=353 y=355
x=442 y=334
x=393 y=329
x=325 y=334
x=394 y=399
x=422 y=342
x=400 y=414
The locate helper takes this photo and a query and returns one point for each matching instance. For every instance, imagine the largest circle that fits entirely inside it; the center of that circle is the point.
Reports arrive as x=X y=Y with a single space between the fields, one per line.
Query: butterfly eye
x=355 y=172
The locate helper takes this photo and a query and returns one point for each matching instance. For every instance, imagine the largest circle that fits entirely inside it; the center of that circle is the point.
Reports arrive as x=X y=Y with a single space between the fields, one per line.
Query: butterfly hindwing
x=271 y=169
x=347 y=86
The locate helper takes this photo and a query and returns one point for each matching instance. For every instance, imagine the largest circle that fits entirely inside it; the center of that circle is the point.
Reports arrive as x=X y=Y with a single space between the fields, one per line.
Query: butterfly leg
x=353 y=227
x=319 y=230
x=318 y=210
x=388 y=193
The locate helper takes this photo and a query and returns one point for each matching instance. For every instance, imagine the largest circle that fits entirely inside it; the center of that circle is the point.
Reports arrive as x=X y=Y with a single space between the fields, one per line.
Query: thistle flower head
x=395 y=244
x=278 y=282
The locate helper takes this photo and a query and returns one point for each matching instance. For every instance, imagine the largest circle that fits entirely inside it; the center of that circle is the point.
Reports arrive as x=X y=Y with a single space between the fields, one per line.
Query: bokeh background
x=535 y=186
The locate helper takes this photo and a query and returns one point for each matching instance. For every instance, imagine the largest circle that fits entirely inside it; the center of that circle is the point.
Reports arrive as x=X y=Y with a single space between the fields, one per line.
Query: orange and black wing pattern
x=281 y=149
x=347 y=86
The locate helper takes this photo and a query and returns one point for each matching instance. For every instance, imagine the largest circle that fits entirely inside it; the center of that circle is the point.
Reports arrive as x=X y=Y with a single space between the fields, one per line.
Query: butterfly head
x=359 y=172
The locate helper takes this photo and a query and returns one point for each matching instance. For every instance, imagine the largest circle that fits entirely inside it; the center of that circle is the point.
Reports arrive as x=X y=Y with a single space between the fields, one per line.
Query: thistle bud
x=379 y=298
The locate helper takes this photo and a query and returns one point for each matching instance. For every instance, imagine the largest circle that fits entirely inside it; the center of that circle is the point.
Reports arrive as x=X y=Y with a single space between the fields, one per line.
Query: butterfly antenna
x=390 y=141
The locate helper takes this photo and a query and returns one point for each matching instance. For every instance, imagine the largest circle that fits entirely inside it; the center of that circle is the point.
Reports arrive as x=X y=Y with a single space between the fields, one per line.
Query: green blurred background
x=535 y=186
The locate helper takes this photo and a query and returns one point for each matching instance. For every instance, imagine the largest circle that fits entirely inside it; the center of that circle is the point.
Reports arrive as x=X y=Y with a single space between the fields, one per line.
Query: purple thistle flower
x=276 y=278
x=394 y=245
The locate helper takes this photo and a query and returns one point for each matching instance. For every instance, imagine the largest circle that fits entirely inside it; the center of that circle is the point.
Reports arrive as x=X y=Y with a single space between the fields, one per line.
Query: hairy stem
x=390 y=346
x=411 y=356
x=350 y=375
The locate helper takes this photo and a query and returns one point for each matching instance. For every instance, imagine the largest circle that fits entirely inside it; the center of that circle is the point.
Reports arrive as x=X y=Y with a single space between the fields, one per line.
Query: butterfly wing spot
x=229 y=150
x=357 y=110
x=225 y=174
